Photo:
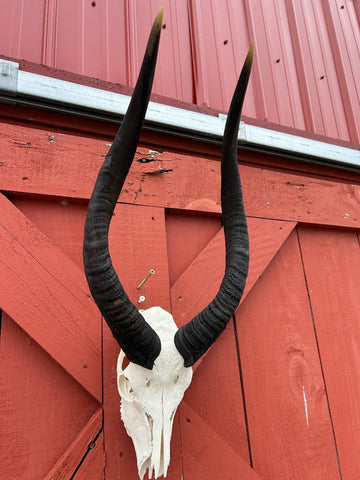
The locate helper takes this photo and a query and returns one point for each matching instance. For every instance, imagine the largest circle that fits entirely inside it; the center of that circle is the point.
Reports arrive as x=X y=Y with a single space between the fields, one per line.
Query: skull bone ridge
x=149 y=398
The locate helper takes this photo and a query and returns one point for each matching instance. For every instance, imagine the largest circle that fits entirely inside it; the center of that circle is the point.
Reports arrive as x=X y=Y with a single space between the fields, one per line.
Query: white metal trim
x=17 y=85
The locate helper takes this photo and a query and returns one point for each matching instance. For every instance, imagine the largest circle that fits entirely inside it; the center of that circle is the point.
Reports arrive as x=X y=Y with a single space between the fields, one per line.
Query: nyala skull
x=160 y=354
x=149 y=398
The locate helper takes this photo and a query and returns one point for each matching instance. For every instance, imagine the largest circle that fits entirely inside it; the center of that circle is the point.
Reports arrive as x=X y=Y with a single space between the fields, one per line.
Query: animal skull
x=149 y=398
x=160 y=354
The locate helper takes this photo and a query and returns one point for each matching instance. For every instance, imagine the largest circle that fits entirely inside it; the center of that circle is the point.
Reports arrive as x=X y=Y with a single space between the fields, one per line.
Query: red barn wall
x=276 y=398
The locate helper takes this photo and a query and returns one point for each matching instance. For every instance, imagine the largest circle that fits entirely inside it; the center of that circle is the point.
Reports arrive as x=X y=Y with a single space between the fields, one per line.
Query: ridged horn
x=196 y=337
x=137 y=339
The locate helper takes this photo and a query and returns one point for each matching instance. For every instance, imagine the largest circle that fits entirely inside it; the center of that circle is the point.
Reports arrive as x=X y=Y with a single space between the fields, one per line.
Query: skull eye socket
x=125 y=388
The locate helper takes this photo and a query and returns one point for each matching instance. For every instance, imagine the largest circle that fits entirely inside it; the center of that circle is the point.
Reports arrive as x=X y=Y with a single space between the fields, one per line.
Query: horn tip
x=250 y=55
x=155 y=32
x=159 y=18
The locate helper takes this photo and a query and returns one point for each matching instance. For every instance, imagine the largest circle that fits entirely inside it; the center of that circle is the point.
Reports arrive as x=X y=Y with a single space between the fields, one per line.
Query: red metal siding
x=307 y=61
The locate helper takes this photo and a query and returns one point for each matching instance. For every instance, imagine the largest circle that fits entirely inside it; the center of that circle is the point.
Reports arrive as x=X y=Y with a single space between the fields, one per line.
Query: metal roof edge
x=25 y=88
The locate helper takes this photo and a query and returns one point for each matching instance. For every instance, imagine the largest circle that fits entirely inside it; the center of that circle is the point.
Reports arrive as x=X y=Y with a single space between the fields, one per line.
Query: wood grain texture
x=200 y=282
x=215 y=394
x=290 y=430
x=206 y=455
x=61 y=221
x=137 y=243
x=187 y=235
x=332 y=266
x=83 y=445
x=93 y=465
x=216 y=391
x=62 y=165
x=47 y=295
x=284 y=409
x=60 y=122
x=42 y=408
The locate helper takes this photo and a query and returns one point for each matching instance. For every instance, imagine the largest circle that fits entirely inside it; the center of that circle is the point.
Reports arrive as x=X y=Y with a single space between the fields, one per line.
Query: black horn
x=138 y=340
x=196 y=337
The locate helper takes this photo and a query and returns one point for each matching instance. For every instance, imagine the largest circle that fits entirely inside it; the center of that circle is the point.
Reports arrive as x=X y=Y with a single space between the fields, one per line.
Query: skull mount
x=149 y=398
x=160 y=354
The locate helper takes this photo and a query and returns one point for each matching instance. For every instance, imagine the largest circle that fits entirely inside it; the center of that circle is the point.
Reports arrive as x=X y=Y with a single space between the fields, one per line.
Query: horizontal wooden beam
x=40 y=162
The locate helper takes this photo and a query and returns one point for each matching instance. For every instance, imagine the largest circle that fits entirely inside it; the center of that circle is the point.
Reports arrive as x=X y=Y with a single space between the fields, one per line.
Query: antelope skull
x=161 y=355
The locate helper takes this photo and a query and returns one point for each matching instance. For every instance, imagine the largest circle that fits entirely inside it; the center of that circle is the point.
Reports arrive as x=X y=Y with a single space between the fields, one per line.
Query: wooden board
x=47 y=295
x=61 y=221
x=215 y=395
x=187 y=235
x=42 y=409
x=258 y=398
x=200 y=282
x=86 y=444
x=62 y=165
x=93 y=465
x=216 y=391
x=206 y=455
x=332 y=266
x=290 y=430
x=59 y=122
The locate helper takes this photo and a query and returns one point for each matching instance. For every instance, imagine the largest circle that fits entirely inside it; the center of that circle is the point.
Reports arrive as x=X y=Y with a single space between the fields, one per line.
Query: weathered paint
x=279 y=388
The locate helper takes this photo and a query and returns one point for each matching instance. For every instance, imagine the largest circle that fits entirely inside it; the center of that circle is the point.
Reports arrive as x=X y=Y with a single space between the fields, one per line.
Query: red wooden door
x=275 y=397
x=50 y=347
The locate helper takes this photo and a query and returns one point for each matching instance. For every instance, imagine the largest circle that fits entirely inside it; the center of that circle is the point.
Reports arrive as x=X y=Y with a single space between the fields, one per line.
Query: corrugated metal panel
x=103 y=39
x=307 y=61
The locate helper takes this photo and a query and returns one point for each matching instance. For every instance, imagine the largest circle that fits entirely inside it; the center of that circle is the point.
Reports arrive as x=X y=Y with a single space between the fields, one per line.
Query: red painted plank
x=187 y=235
x=42 y=408
x=266 y=238
x=215 y=395
x=47 y=295
x=332 y=266
x=61 y=221
x=138 y=243
x=36 y=161
x=33 y=156
x=201 y=281
x=206 y=455
x=93 y=465
x=70 y=460
x=290 y=429
x=216 y=392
